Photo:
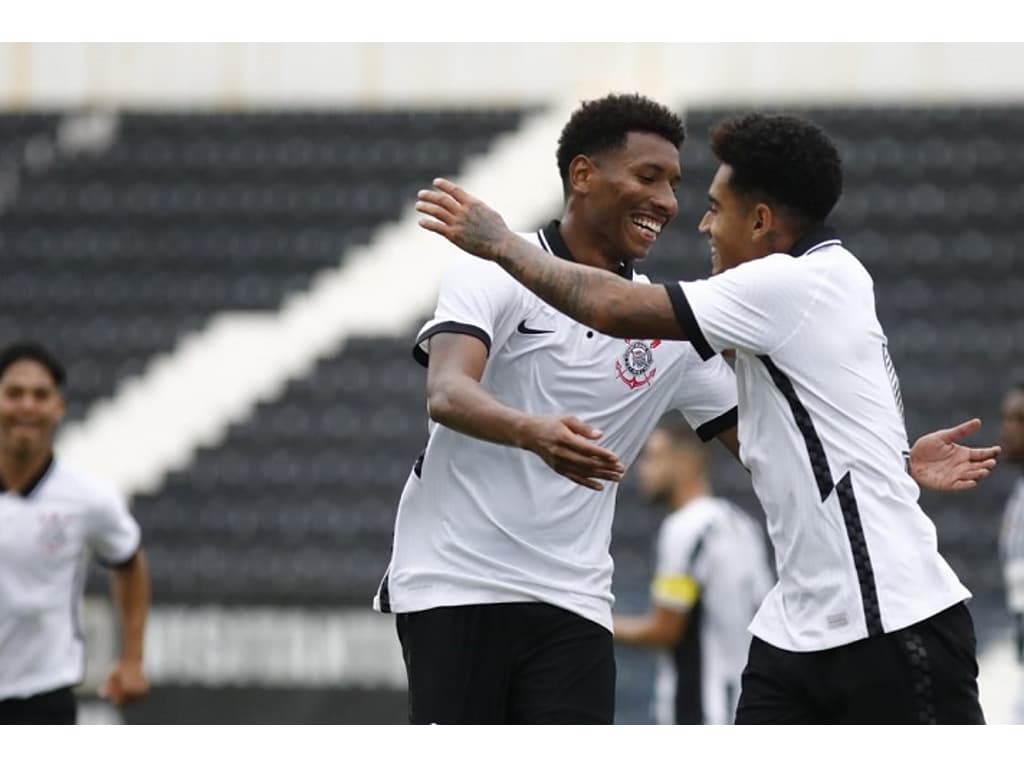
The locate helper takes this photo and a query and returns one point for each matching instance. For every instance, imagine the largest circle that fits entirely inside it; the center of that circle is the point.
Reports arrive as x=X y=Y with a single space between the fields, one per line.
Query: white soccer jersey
x=45 y=535
x=484 y=523
x=712 y=562
x=821 y=431
x=1011 y=548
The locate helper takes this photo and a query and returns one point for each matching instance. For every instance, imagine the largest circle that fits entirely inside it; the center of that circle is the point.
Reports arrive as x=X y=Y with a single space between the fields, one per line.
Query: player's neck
x=583 y=248
x=684 y=493
x=17 y=469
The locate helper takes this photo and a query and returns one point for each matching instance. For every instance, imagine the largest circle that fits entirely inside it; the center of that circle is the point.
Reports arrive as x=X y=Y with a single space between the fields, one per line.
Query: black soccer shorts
x=507 y=663
x=925 y=673
x=56 y=707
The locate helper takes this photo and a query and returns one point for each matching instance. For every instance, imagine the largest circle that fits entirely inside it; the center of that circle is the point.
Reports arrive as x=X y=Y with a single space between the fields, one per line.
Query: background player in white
x=500 y=573
x=712 y=571
x=867 y=622
x=51 y=517
x=1011 y=538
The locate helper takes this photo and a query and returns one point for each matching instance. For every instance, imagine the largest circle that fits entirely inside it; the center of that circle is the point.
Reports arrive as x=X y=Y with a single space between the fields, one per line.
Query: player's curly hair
x=37 y=353
x=789 y=160
x=602 y=124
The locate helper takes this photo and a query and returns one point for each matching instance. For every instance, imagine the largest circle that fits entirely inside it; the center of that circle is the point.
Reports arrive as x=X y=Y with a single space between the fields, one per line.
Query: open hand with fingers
x=939 y=463
x=462 y=219
x=566 y=445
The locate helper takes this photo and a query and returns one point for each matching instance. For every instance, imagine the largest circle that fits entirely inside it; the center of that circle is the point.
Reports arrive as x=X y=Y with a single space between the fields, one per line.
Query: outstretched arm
x=595 y=297
x=939 y=463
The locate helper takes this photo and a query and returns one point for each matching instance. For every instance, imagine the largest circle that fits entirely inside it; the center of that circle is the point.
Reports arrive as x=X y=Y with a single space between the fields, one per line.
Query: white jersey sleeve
x=678 y=575
x=755 y=307
x=477 y=298
x=706 y=396
x=113 y=534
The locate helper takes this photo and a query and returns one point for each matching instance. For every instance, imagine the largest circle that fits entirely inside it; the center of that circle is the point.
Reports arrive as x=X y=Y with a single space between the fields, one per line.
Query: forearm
x=595 y=297
x=640 y=630
x=462 y=404
x=130 y=586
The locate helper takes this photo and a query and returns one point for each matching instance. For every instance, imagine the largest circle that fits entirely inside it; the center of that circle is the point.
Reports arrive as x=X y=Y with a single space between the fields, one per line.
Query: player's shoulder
x=693 y=518
x=483 y=273
x=71 y=479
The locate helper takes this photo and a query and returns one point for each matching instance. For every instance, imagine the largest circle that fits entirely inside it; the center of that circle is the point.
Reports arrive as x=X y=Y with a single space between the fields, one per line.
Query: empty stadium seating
x=112 y=253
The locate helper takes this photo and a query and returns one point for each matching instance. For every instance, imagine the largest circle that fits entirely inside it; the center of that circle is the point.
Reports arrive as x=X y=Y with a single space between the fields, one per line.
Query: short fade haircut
x=602 y=124
x=37 y=353
x=788 y=160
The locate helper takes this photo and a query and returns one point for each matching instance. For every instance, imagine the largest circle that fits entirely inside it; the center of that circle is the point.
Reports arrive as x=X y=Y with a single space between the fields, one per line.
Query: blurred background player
x=712 y=571
x=1011 y=540
x=501 y=574
x=52 y=516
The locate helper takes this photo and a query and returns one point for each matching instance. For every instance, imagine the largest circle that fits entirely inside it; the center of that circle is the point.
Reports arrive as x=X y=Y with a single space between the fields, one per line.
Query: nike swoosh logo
x=523 y=329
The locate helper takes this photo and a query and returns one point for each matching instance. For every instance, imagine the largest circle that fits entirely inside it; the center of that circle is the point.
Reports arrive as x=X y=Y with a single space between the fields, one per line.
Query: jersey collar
x=34 y=482
x=818 y=237
x=551 y=240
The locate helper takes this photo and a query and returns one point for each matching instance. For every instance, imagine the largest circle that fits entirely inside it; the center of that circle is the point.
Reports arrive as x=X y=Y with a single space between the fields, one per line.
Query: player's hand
x=566 y=445
x=939 y=463
x=464 y=220
x=126 y=682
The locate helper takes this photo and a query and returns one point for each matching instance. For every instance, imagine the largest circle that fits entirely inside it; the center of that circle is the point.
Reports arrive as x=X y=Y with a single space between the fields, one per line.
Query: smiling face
x=627 y=195
x=733 y=224
x=31 y=407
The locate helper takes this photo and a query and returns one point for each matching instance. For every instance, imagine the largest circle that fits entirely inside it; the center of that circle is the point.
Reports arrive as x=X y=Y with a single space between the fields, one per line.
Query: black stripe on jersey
x=450 y=326
x=845 y=494
x=815 y=450
x=120 y=564
x=712 y=429
x=689 y=698
x=861 y=558
x=383 y=594
x=688 y=321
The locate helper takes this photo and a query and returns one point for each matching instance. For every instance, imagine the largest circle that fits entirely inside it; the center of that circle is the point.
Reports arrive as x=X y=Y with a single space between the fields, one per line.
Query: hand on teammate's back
x=462 y=219
x=939 y=463
x=566 y=445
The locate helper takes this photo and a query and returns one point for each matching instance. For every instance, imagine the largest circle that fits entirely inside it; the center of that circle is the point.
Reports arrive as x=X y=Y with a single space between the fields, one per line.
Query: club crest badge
x=53 y=535
x=636 y=366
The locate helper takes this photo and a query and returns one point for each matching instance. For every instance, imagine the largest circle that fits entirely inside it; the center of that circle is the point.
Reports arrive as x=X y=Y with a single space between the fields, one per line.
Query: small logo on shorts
x=837 y=620
x=636 y=367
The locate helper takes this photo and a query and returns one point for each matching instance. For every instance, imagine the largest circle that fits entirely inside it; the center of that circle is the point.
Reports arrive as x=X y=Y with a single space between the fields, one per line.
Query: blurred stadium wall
x=219 y=241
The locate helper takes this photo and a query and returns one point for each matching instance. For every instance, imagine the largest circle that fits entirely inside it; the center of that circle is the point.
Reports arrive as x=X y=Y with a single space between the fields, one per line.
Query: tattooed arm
x=595 y=297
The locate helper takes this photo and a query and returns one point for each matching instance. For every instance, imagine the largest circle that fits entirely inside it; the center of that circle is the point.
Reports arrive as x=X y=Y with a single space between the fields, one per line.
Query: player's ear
x=581 y=174
x=762 y=220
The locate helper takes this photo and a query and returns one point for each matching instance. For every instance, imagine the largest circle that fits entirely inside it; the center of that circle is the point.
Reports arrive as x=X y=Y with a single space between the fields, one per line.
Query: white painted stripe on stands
x=215 y=378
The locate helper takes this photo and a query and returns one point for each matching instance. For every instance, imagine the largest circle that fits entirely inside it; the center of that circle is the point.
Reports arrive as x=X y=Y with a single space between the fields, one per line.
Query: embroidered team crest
x=52 y=533
x=636 y=367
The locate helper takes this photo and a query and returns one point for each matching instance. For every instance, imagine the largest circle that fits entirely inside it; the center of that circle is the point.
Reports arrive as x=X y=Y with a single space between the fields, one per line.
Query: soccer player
x=51 y=514
x=712 y=572
x=1011 y=538
x=500 y=573
x=867 y=622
